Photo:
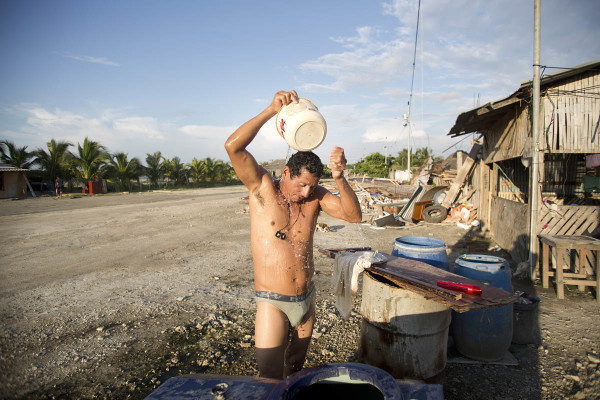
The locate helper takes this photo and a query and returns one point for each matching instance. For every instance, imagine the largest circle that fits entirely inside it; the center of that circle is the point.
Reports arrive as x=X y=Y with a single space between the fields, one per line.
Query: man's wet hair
x=305 y=159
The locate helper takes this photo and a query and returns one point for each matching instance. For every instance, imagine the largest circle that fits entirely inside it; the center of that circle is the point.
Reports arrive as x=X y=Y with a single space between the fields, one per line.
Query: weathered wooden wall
x=571 y=115
x=14 y=185
x=509 y=225
x=508 y=136
x=570 y=118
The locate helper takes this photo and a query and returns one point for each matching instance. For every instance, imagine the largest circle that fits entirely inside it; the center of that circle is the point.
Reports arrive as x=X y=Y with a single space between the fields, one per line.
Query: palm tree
x=89 y=160
x=209 y=169
x=55 y=161
x=422 y=154
x=16 y=156
x=222 y=171
x=196 y=168
x=175 y=170
x=123 y=169
x=155 y=169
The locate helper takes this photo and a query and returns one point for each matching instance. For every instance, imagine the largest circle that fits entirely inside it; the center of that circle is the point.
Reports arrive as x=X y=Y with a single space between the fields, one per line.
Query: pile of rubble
x=385 y=202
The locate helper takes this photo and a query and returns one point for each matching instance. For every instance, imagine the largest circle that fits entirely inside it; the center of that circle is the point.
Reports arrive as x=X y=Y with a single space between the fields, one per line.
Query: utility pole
x=386 y=152
x=407 y=119
x=535 y=121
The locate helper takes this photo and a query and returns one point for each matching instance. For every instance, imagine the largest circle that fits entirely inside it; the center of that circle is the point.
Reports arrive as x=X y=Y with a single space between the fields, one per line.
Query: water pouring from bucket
x=301 y=125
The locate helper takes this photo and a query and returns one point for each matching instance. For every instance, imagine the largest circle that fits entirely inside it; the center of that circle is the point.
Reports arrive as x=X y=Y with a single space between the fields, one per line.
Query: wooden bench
x=575 y=261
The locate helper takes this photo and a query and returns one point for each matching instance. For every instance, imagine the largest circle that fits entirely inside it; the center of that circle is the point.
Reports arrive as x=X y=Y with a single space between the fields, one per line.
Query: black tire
x=435 y=214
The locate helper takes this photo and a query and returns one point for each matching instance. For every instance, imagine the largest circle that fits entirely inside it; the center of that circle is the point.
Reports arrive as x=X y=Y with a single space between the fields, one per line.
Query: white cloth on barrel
x=347 y=267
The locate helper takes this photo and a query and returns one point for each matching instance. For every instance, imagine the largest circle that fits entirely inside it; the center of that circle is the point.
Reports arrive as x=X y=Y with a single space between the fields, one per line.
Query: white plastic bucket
x=301 y=125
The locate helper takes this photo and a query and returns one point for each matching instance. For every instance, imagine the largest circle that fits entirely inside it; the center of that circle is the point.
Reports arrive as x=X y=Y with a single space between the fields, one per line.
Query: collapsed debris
x=438 y=193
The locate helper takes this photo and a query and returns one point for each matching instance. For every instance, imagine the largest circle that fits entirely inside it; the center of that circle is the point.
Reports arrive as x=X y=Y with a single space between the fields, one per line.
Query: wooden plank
x=594 y=221
x=571 y=242
x=581 y=266
x=581 y=213
x=545 y=265
x=562 y=131
x=568 y=223
x=557 y=227
x=422 y=278
x=569 y=146
x=594 y=118
x=591 y=222
x=583 y=221
x=570 y=275
x=555 y=127
x=560 y=281
x=573 y=116
x=581 y=115
x=589 y=109
x=557 y=122
x=578 y=282
x=463 y=172
x=547 y=216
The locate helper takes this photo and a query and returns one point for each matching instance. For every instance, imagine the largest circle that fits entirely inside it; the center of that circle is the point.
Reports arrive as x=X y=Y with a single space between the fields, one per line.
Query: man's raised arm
x=346 y=206
x=244 y=164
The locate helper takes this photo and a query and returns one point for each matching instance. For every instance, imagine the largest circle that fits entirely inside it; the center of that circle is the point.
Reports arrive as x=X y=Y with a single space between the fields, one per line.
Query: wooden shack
x=275 y=167
x=569 y=144
x=13 y=182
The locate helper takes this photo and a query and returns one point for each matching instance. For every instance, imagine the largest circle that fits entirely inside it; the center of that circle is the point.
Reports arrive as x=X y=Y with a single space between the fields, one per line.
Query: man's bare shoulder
x=320 y=192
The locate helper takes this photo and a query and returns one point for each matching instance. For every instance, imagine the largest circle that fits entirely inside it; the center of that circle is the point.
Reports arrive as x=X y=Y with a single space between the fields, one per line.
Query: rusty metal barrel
x=402 y=332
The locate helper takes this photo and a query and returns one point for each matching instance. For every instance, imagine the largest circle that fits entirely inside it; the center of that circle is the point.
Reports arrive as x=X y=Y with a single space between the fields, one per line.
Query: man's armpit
x=256 y=193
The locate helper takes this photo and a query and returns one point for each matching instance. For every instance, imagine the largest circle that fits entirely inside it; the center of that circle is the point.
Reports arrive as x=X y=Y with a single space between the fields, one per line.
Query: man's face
x=300 y=187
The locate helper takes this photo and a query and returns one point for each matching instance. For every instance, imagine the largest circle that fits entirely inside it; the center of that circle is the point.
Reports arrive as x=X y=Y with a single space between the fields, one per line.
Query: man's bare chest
x=283 y=219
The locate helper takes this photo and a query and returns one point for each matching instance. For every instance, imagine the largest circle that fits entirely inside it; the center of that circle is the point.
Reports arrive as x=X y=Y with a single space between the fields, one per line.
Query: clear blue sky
x=180 y=76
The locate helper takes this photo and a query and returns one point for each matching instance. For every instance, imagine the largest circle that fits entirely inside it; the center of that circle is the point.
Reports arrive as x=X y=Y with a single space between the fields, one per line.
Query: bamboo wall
x=571 y=115
x=570 y=122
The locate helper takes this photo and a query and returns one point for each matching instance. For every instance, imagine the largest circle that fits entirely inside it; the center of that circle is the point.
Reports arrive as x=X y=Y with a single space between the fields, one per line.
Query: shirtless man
x=283 y=215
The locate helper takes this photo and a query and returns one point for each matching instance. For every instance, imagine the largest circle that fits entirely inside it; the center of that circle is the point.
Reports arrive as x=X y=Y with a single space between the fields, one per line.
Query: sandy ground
x=107 y=296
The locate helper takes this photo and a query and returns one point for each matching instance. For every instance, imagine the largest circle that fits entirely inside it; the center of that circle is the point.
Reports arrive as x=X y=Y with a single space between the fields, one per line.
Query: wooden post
x=461 y=176
x=29 y=186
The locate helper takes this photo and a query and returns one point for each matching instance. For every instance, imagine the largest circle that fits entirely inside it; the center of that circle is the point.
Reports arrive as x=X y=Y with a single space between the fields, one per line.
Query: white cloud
x=94 y=60
x=109 y=128
x=368 y=62
x=142 y=127
x=207 y=131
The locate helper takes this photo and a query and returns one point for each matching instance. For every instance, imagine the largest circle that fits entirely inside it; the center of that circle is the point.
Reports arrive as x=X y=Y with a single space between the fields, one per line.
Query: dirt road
x=107 y=296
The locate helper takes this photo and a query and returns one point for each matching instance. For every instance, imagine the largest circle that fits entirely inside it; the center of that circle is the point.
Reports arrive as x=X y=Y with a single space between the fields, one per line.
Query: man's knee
x=270 y=362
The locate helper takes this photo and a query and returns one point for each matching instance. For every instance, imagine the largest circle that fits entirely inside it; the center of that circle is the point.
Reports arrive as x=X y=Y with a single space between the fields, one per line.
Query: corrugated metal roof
x=563 y=74
x=10 y=168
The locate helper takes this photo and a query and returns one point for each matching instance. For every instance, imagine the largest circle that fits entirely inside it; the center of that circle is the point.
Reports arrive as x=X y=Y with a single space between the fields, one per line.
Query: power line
x=414 y=55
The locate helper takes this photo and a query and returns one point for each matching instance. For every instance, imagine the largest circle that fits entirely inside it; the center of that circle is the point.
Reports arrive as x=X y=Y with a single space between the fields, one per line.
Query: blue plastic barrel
x=428 y=250
x=484 y=335
x=328 y=381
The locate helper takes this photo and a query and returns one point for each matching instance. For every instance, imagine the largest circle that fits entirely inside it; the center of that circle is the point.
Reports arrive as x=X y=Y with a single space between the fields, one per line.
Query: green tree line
x=91 y=161
x=378 y=166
